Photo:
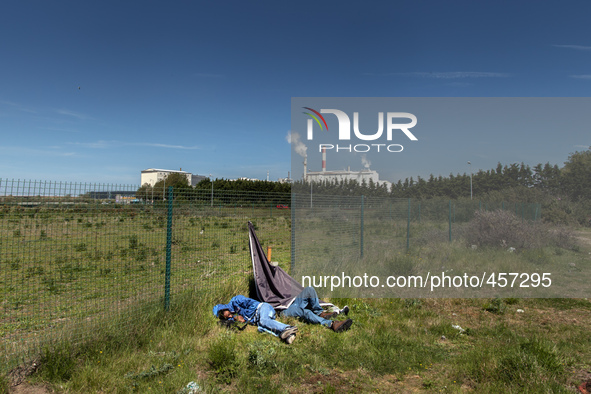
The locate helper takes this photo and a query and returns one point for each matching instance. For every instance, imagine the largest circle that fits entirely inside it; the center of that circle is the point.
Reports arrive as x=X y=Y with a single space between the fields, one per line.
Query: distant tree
x=178 y=181
x=576 y=175
x=144 y=192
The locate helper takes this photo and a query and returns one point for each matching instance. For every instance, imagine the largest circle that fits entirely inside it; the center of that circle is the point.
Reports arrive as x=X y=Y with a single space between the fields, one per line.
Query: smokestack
x=323 y=159
x=305 y=168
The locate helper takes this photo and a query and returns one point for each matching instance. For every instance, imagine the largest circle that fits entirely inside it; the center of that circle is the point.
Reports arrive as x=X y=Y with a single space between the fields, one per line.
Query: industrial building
x=366 y=175
x=153 y=175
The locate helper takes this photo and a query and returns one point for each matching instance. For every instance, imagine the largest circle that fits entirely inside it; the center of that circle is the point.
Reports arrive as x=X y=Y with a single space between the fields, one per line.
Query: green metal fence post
x=293 y=232
x=449 y=220
x=408 y=227
x=168 y=252
x=361 y=230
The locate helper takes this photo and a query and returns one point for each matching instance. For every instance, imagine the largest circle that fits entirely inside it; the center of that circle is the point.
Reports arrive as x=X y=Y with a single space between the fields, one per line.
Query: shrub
x=133 y=242
x=503 y=229
x=496 y=305
x=262 y=357
x=497 y=228
x=58 y=363
x=562 y=237
x=222 y=359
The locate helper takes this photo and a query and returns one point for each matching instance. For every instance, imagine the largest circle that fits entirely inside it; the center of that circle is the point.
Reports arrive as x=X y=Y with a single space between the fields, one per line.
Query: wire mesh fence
x=74 y=256
x=350 y=226
x=77 y=255
x=335 y=235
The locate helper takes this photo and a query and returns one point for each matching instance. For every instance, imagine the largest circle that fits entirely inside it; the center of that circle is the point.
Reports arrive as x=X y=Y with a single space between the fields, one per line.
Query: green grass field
x=64 y=269
x=90 y=284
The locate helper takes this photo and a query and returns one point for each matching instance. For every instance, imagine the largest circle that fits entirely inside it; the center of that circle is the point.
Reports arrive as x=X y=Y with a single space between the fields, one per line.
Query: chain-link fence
x=343 y=236
x=74 y=256
x=353 y=225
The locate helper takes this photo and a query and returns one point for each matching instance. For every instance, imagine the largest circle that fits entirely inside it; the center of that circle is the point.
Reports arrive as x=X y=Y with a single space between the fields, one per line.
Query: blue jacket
x=241 y=305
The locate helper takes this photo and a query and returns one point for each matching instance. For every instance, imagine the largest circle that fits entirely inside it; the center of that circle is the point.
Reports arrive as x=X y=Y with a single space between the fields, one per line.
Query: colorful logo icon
x=315 y=118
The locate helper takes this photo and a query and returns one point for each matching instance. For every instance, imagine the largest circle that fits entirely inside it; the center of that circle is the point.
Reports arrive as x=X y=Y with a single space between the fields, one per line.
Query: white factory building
x=153 y=175
x=362 y=176
x=347 y=175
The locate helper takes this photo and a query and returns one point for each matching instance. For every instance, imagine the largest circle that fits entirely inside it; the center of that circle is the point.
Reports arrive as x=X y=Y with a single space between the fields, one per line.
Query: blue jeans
x=307 y=307
x=265 y=320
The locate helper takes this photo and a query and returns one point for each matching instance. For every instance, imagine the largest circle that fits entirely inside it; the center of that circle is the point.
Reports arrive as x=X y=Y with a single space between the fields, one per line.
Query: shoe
x=340 y=326
x=291 y=330
x=290 y=339
x=345 y=310
x=328 y=315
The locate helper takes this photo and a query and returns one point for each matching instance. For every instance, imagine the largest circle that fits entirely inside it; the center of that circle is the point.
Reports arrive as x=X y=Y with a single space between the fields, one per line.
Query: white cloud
x=459 y=74
x=59 y=129
x=18 y=107
x=208 y=75
x=583 y=76
x=575 y=47
x=34 y=152
x=118 y=144
x=448 y=74
x=163 y=145
x=73 y=114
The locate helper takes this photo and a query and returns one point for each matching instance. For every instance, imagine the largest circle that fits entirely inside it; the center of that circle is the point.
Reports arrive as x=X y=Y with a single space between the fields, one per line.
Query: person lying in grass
x=306 y=307
x=261 y=314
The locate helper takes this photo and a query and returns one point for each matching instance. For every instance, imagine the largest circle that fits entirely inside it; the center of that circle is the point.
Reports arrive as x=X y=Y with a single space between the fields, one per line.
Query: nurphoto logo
x=344 y=133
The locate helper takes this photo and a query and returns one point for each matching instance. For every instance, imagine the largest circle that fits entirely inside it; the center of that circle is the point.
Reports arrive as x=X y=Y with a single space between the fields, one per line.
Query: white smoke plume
x=366 y=163
x=298 y=146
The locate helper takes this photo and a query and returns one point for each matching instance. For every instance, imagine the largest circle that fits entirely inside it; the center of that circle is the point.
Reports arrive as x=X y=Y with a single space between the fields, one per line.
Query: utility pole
x=210 y=178
x=470 y=180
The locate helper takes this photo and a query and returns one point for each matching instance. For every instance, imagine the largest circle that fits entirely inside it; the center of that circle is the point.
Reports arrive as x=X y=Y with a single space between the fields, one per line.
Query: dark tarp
x=272 y=283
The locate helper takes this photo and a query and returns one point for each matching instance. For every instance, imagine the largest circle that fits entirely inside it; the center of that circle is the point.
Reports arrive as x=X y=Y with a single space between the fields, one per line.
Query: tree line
x=571 y=182
x=548 y=184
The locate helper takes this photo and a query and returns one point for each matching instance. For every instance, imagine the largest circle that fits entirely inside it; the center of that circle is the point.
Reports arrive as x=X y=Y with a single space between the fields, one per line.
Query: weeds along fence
x=344 y=228
x=77 y=256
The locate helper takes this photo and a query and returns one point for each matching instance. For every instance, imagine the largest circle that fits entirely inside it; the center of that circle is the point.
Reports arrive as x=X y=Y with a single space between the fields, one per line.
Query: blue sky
x=98 y=91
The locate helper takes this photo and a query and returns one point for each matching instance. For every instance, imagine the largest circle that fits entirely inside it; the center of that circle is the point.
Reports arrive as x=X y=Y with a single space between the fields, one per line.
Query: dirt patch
x=28 y=389
x=341 y=382
x=20 y=373
x=359 y=381
x=584 y=237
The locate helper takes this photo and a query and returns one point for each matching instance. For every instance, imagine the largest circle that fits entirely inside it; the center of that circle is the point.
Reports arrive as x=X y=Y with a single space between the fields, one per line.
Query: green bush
x=57 y=364
x=496 y=305
x=262 y=357
x=221 y=356
x=133 y=242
